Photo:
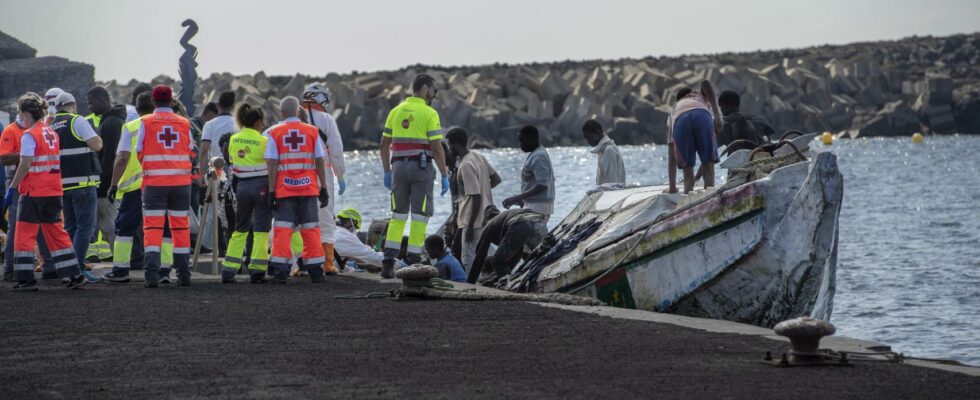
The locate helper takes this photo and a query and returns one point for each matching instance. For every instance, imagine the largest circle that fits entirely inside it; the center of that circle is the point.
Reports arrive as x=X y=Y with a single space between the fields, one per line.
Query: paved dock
x=297 y=341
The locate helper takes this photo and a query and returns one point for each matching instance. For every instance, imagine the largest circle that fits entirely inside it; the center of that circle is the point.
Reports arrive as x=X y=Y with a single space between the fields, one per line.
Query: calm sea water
x=909 y=272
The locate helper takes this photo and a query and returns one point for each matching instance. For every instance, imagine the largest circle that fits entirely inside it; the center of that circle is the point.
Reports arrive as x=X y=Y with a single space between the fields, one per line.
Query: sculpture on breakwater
x=188 y=67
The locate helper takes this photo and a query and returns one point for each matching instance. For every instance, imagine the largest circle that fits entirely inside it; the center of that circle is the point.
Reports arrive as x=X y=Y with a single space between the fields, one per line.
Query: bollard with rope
x=214 y=177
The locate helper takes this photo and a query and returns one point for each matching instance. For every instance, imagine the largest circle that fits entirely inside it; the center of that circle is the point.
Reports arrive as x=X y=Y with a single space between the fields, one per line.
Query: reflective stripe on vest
x=80 y=165
x=296 y=144
x=247 y=150
x=132 y=177
x=412 y=126
x=166 y=153
x=43 y=177
x=94 y=120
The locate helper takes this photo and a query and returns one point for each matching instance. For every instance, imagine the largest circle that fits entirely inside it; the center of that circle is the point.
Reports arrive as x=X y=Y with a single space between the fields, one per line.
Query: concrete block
x=18 y=76
x=938 y=89
x=13 y=49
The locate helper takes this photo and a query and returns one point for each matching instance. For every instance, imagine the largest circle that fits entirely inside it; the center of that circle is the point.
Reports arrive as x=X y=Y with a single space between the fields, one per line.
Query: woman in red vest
x=38 y=180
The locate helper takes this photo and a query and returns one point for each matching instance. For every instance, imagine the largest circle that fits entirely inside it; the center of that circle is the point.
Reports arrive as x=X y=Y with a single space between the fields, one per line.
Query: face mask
x=19 y=121
x=52 y=110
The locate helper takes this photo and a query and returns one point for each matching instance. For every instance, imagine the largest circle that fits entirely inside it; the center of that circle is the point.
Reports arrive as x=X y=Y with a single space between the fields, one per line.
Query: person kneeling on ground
x=691 y=131
x=347 y=244
x=449 y=267
x=512 y=231
x=738 y=126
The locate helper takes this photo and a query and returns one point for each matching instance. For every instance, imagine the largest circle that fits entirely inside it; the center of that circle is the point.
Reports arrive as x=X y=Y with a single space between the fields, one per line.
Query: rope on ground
x=420 y=281
x=372 y=295
x=472 y=295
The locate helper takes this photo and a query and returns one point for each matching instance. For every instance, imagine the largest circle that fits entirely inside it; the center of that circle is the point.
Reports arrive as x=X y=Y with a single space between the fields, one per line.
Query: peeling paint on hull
x=758 y=253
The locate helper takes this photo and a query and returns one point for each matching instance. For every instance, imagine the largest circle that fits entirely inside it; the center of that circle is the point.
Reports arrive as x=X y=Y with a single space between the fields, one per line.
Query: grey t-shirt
x=538 y=171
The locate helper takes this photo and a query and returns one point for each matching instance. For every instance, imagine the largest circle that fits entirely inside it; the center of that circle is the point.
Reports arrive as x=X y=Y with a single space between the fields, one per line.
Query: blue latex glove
x=9 y=199
x=342 y=186
x=388 y=180
x=445 y=185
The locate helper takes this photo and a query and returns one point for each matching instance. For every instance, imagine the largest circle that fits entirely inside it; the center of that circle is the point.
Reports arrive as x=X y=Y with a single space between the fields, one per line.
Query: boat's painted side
x=658 y=280
x=759 y=253
x=574 y=269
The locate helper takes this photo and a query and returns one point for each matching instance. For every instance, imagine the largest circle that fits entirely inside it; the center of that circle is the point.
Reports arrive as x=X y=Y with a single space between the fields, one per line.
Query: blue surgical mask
x=19 y=121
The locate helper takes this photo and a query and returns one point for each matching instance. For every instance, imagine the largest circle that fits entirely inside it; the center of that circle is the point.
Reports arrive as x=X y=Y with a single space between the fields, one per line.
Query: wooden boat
x=760 y=249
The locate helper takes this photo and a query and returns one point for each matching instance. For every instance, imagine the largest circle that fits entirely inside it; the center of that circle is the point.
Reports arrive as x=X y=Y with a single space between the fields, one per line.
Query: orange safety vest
x=296 y=145
x=166 y=153
x=44 y=176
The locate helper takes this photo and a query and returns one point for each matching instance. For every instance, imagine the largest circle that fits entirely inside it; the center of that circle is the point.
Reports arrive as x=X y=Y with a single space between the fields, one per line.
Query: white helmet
x=50 y=96
x=317 y=93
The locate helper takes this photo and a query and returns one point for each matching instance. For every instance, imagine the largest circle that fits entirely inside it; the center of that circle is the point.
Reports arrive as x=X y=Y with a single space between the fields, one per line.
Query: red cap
x=163 y=92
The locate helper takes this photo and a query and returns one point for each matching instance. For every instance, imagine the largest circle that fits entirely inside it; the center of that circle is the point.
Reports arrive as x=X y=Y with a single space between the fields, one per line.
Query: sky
x=139 y=39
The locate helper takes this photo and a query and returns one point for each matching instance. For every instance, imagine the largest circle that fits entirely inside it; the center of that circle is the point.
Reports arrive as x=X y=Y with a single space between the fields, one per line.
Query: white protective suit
x=348 y=245
x=334 y=162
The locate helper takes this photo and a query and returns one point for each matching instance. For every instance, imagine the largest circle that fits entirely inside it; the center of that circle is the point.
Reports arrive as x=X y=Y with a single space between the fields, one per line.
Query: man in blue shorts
x=691 y=131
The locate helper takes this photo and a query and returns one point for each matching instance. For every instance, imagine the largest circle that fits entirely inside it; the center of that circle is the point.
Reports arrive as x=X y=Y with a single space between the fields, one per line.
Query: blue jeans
x=81 y=208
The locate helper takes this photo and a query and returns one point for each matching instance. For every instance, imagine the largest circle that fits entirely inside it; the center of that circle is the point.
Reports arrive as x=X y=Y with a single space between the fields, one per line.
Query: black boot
x=316 y=274
x=227 y=276
x=184 y=276
x=388 y=268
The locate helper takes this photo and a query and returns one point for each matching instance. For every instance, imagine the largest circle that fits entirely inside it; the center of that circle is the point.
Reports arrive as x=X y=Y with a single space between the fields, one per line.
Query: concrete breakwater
x=917 y=84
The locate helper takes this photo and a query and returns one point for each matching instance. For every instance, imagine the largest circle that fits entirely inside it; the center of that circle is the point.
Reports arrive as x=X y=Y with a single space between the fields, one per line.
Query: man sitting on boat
x=512 y=231
x=738 y=126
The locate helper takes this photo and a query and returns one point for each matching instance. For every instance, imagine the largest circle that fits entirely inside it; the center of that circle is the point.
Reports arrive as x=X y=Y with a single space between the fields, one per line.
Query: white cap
x=52 y=94
x=50 y=97
x=64 y=98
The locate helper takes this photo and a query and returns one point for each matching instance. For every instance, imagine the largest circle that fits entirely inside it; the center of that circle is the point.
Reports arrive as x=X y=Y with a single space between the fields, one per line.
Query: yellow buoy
x=827 y=138
x=917 y=138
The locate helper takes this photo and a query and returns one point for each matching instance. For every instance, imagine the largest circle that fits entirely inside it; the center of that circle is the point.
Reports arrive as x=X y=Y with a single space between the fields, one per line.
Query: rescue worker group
x=281 y=180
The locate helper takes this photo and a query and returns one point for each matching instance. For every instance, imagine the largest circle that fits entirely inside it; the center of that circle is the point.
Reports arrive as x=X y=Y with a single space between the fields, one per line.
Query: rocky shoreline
x=885 y=88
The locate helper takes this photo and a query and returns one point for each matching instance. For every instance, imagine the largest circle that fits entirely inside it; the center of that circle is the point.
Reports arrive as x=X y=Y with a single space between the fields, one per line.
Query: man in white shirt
x=316 y=102
x=213 y=130
x=348 y=245
x=476 y=179
x=611 y=168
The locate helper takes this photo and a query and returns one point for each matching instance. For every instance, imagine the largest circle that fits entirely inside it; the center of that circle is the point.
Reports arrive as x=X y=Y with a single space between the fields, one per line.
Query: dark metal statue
x=188 y=67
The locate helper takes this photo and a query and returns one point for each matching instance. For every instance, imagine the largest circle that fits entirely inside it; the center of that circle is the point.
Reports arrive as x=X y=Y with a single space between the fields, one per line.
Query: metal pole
x=203 y=212
x=214 y=222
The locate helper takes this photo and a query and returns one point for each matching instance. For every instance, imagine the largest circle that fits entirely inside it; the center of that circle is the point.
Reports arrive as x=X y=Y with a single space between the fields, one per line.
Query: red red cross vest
x=44 y=176
x=296 y=145
x=166 y=154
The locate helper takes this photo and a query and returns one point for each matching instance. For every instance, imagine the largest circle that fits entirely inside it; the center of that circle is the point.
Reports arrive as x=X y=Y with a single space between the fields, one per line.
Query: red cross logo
x=168 y=137
x=50 y=138
x=293 y=140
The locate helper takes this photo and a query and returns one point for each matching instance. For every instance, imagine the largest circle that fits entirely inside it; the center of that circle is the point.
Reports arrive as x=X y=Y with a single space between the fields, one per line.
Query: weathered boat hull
x=758 y=253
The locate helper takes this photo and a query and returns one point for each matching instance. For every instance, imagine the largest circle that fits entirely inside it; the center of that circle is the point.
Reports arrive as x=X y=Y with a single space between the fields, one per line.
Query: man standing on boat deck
x=691 y=129
x=537 y=176
x=409 y=143
x=738 y=126
x=611 y=168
